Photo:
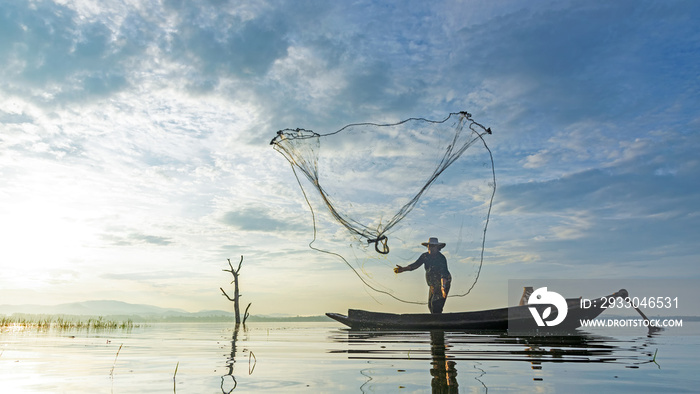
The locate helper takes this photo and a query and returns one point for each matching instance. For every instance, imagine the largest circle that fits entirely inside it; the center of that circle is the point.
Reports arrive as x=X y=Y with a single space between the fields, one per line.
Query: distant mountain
x=99 y=308
x=141 y=312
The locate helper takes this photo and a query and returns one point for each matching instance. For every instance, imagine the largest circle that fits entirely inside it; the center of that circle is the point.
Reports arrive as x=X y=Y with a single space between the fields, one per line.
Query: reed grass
x=175 y=377
x=654 y=359
x=61 y=322
x=250 y=354
x=111 y=373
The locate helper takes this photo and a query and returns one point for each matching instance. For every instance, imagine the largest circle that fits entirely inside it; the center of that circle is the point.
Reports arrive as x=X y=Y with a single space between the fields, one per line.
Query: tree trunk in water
x=236 y=294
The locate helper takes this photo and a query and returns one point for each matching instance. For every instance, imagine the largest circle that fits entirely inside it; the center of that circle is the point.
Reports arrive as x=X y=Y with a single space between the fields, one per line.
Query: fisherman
x=436 y=274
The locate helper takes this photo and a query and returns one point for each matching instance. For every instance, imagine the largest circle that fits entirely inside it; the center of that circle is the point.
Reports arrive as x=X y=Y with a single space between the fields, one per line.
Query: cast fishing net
x=377 y=191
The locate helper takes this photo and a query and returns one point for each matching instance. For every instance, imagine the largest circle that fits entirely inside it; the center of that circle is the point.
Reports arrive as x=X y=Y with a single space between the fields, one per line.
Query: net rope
x=353 y=211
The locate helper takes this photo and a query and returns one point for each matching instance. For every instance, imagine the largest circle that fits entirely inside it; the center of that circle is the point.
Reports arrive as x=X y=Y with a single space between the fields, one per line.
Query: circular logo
x=542 y=296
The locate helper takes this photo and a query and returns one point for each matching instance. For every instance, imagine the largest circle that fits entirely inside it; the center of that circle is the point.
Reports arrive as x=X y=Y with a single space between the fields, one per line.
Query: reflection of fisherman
x=443 y=371
x=436 y=274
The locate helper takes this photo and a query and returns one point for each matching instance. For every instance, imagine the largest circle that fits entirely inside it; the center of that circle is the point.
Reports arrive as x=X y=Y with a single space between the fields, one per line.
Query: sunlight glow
x=39 y=235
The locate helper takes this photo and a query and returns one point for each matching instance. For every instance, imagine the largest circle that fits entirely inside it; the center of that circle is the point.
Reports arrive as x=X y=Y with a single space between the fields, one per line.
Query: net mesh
x=376 y=191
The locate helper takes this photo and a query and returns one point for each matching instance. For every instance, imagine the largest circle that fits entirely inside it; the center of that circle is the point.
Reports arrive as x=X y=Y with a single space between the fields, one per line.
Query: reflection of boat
x=495 y=346
x=492 y=319
x=483 y=358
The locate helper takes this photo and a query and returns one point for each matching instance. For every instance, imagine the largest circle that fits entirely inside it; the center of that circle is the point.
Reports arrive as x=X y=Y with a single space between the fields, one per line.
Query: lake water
x=324 y=357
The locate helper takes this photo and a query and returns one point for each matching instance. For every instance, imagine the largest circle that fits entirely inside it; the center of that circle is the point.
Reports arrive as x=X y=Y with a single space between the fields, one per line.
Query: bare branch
x=246 y=314
x=230 y=265
x=239 y=264
x=229 y=298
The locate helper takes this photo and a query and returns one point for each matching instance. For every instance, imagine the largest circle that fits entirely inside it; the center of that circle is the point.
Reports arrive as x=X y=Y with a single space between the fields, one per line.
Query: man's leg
x=435 y=300
x=437 y=303
x=430 y=298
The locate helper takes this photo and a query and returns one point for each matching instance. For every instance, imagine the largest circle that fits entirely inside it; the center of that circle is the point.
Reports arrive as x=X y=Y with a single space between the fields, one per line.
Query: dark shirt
x=435 y=267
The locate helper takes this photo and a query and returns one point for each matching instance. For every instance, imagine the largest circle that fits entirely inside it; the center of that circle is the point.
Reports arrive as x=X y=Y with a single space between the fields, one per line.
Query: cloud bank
x=134 y=135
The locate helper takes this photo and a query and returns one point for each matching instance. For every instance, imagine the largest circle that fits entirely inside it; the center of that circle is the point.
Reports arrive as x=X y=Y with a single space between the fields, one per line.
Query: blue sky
x=135 y=157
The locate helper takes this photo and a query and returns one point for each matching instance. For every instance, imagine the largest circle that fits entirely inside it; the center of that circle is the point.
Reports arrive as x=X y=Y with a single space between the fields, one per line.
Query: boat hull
x=487 y=320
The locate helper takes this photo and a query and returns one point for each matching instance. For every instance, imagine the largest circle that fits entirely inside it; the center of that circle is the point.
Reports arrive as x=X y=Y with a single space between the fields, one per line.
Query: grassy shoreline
x=65 y=322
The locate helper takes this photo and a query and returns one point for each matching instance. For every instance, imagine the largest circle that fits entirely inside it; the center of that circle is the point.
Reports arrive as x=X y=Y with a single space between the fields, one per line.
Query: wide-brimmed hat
x=433 y=241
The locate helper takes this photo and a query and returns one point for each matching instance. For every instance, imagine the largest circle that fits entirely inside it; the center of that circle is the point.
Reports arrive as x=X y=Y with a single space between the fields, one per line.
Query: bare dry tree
x=236 y=294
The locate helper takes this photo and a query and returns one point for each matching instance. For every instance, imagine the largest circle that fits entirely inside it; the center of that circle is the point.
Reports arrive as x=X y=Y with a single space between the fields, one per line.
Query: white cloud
x=129 y=130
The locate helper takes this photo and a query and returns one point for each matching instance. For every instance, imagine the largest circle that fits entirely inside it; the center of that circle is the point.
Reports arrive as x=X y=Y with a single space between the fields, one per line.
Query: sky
x=135 y=156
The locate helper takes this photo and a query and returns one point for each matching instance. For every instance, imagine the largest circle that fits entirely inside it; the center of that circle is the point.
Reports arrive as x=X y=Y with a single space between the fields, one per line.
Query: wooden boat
x=493 y=319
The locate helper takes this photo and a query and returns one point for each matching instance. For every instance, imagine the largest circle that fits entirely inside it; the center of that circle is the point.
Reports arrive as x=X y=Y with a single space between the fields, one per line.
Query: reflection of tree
x=443 y=371
x=230 y=363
